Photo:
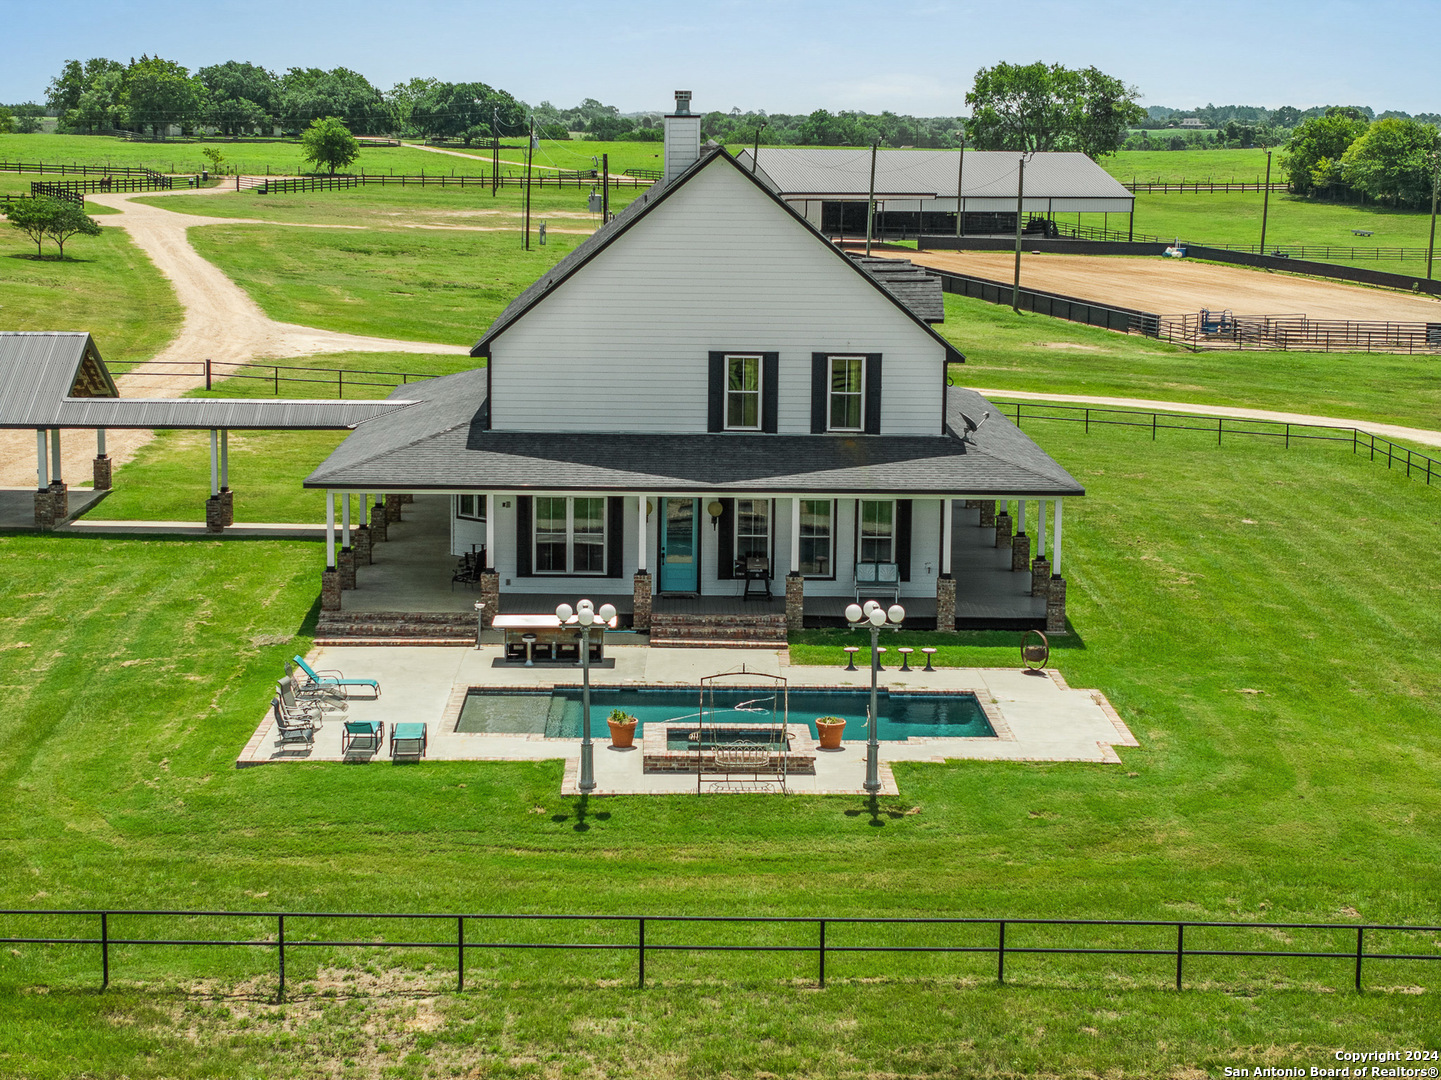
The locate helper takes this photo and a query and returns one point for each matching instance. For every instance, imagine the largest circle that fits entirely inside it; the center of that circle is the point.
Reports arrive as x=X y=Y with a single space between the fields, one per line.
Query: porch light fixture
x=873 y=616
x=715 y=510
x=587 y=616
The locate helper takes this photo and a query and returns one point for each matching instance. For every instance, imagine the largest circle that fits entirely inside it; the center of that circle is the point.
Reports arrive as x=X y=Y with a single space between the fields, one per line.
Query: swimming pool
x=556 y=713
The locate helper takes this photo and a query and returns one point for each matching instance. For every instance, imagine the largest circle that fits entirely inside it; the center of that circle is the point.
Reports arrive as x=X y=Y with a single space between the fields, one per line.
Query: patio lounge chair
x=362 y=735
x=334 y=679
x=292 y=728
x=306 y=690
x=296 y=705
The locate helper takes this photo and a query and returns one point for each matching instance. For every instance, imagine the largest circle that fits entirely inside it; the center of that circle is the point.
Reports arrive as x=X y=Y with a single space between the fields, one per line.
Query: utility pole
x=871 y=202
x=604 y=188
x=494 y=165
x=756 y=153
x=1020 y=199
x=960 y=176
x=1265 y=202
x=1435 y=183
x=529 y=157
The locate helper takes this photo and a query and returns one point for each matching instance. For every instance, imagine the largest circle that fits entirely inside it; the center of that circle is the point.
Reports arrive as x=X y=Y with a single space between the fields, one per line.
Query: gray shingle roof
x=441 y=442
x=912 y=285
x=989 y=174
x=607 y=234
x=57 y=379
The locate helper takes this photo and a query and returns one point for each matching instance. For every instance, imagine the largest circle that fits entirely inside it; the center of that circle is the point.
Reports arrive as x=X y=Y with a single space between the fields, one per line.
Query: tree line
x=1343 y=153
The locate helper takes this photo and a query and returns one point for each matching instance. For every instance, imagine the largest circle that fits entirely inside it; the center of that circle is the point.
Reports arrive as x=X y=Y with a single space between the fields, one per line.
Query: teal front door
x=679 y=569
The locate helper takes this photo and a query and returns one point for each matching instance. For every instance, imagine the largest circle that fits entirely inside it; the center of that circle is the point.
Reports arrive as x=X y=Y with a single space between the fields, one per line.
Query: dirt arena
x=1178 y=286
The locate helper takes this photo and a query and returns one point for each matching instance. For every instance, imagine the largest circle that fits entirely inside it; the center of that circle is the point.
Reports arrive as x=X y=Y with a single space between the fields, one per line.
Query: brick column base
x=345 y=566
x=1040 y=576
x=214 y=515
x=795 y=603
x=102 y=472
x=641 y=596
x=490 y=596
x=44 y=510
x=60 y=496
x=330 y=590
x=1056 y=606
x=1003 y=529
x=360 y=540
x=392 y=508
x=227 y=507
x=988 y=513
x=946 y=603
x=378 y=525
x=407 y=498
x=1020 y=552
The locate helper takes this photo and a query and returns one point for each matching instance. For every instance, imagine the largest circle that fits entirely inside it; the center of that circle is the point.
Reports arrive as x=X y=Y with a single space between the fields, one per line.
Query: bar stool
x=930 y=652
x=529 y=640
x=851 y=651
x=880 y=658
x=905 y=651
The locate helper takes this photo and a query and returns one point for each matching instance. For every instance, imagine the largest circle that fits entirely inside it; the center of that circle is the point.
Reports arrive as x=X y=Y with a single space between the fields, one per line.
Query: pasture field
x=105 y=285
x=1250 y=642
x=1172 y=166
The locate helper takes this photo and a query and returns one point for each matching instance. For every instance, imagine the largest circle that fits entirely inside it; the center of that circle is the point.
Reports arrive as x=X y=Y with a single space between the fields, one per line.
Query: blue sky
x=910 y=56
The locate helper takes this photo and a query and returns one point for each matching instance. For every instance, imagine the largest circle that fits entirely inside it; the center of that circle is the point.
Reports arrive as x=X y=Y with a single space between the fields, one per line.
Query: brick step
x=700 y=643
x=347 y=618
x=427 y=641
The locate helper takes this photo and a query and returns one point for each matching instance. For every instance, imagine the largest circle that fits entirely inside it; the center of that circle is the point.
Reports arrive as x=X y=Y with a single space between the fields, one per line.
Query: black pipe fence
x=1418 y=466
x=269 y=375
x=1057 y=305
x=578 y=180
x=1161 y=938
x=1200 y=187
x=76 y=190
x=1223 y=330
x=1315 y=252
x=74 y=169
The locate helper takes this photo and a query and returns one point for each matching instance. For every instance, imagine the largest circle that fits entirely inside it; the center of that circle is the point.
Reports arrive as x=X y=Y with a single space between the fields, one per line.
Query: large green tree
x=308 y=94
x=45 y=218
x=156 y=93
x=1317 y=145
x=1395 y=160
x=242 y=96
x=1050 y=107
x=329 y=144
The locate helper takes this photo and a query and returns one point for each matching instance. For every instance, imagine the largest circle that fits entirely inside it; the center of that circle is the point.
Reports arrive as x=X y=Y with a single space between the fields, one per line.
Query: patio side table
x=407 y=740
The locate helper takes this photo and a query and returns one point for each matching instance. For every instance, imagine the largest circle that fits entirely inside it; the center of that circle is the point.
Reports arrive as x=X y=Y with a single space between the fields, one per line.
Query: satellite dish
x=971 y=425
x=974 y=425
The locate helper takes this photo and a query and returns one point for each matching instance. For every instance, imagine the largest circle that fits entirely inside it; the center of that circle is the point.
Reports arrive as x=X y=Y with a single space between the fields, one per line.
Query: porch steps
x=395 y=628
x=735 y=631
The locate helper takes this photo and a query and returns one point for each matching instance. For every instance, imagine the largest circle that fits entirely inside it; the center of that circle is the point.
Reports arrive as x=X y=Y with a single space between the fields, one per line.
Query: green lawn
x=1266 y=646
x=1006 y=351
x=1171 y=166
x=266 y=467
x=417 y=285
x=105 y=285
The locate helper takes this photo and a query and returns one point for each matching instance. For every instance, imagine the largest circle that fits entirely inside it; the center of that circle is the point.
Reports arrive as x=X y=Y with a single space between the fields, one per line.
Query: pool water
x=556 y=714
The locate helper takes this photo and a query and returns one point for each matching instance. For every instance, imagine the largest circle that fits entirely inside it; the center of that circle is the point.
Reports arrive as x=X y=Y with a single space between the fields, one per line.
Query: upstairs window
x=743 y=393
x=847 y=393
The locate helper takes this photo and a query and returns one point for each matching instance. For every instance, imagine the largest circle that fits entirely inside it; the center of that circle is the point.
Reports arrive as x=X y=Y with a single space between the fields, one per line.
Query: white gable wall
x=623 y=344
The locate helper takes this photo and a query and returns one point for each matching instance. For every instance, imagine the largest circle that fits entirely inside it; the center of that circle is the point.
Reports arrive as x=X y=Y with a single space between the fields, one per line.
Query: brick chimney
x=682 y=137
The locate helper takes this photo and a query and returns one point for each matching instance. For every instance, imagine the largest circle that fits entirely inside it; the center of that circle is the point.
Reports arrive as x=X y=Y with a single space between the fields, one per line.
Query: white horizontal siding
x=623 y=345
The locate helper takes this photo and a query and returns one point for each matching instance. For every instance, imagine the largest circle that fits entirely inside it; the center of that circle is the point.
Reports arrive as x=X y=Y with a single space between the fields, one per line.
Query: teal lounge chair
x=321 y=680
x=362 y=735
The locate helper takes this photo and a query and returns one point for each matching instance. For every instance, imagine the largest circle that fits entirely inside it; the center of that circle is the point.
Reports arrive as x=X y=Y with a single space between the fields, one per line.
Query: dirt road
x=1178 y=286
x=221 y=322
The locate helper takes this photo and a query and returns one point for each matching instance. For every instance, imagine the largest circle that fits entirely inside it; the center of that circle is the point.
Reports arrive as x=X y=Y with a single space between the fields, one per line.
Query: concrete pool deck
x=1037 y=717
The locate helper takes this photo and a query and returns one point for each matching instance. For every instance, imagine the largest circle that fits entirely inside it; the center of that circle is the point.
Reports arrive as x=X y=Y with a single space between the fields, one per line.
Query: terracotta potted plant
x=622 y=728
x=829 y=729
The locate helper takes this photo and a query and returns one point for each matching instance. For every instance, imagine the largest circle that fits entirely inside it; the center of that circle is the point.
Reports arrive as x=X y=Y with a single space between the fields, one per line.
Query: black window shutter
x=873 y=393
x=615 y=535
x=770 y=392
x=716 y=416
x=820 y=391
x=903 y=537
x=726 y=541
x=523 y=507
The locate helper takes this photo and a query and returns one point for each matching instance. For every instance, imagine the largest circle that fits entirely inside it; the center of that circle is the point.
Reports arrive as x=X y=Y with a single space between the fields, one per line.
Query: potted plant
x=829 y=729
x=622 y=728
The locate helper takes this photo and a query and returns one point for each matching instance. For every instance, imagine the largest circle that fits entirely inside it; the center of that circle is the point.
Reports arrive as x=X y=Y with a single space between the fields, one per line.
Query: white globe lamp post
x=873 y=616
x=586 y=616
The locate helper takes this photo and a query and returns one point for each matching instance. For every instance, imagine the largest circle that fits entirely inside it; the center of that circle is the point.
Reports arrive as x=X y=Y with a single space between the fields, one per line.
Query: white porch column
x=55 y=455
x=641 y=535
x=42 y=459
x=214 y=464
x=795 y=567
x=100 y=442
x=329 y=526
x=1041 y=527
x=947 y=511
x=345 y=519
x=225 y=458
x=1056 y=546
x=489 y=532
